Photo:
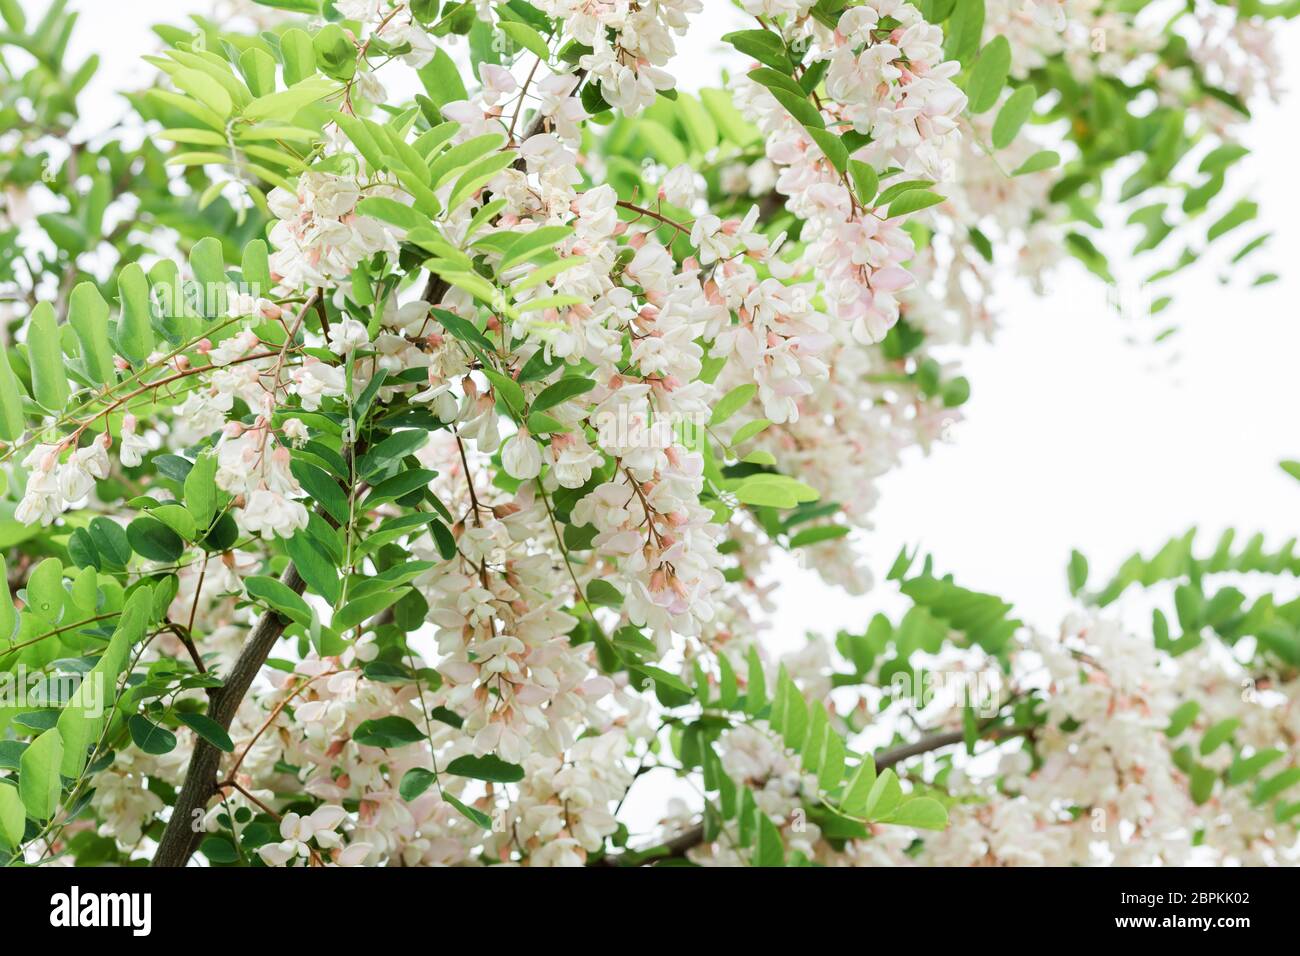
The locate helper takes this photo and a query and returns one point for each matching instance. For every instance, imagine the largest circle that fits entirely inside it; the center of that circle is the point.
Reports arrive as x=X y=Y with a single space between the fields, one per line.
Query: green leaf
x=1244 y=768
x=790 y=712
x=727 y=686
x=45 y=593
x=218 y=849
x=83 y=719
x=830 y=759
x=134 y=333
x=913 y=200
x=469 y=813
x=415 y=781
x=1015 y=111
x=830 y=144
x=1218 y=734
x=562 y=391
x=201 y=489
x=394 y=212
x=110 y=540
x=152 y=539
x=88 y=316
x=209 y=266
x=39 y=784
x=258 y=69
x=387 y=733
x=601 y=592
x=858 y=789
x=354 y=612
x=12 y=418
x=749 y=430
x=794 y=101
x=897 y=189
x=865 y=181
x=391 y=450
x=489 y=767
x=531 y=243
x=478 y=175
x=205 y=89
x=297 y=53
x=286 y=103
x=526 y=37
x=770 y=851
x=335 y=54
x=774 y=491
x=764 y=46
x=732 y=402
x=669 y=688
x=884 y=797
x=988 y=75
x=755 y=684
x=150 y=737
x=315 y=565
x=1277 y=784
x=13 y=819
x=1043 y=159
x=45 y=351
x=924 y=813
x=208 y=729
x=1077 y=572
x=441 y=79
x=507 y=390
x=1202 y=783
x=1182 y=718
x=1242 y=212
x=964 y=30
x=255 y=268
x=817 y=535
x=400 y=485
x=280 y=597
x=324 y=489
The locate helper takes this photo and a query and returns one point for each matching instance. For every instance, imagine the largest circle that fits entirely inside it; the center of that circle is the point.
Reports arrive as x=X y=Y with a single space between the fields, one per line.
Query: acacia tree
x=402 y=406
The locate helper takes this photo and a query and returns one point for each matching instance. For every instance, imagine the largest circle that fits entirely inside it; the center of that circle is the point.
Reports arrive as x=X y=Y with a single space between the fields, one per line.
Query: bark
x=180 y=839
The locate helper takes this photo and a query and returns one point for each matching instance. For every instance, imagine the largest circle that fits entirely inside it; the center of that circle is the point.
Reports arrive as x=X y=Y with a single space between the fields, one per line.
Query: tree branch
x=180 y=839
x=678 y=846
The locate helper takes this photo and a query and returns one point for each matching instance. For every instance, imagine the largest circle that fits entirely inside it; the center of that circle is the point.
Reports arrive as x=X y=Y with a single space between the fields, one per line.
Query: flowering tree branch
x=488 y=409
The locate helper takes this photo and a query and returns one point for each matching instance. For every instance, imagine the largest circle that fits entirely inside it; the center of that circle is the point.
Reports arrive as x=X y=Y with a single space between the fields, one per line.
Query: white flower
x=78 y=475
x=678 y=187
x=237 y=346
x=131 y=447
x=573 y=460
x=297 y=831
x=269 y=511
x=348 y=336
x=521 y=456
x=295 y=430
x=314 y=380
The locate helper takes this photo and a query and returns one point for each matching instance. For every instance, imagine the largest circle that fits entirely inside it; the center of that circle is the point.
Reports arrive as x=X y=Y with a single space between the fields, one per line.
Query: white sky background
x=1074 y=436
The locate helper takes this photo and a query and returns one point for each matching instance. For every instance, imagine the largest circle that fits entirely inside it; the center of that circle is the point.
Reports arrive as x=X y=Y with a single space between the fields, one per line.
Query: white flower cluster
x=887 y=80
x=54 y=485
x=318 y=237
x=630 y=40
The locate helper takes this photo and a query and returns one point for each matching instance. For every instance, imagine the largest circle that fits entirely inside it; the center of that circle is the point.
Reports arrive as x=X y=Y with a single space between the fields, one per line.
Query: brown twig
x=678 y=846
